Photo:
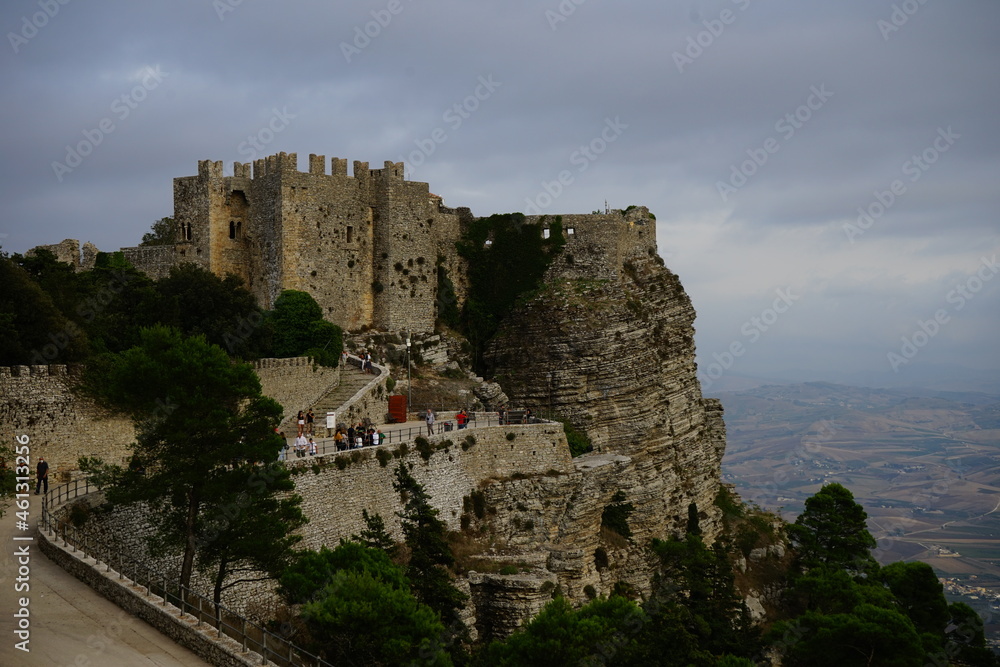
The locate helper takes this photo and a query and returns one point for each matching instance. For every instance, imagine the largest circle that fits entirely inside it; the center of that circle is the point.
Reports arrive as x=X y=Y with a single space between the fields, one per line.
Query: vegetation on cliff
x=507 y=258
x=840 y=608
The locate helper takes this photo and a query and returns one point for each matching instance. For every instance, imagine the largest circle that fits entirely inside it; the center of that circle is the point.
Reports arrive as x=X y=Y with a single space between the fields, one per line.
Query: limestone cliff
x=608 y=343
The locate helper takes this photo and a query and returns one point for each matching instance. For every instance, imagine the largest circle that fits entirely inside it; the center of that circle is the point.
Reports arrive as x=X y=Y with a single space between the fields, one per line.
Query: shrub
x=511 y=436
x=383 y=456
x=341 y=462
x=424 y=447
x=590 y=592
x=509 y=569
x=79 y=513
x=579 y=443
x=615 y=516
x=401 y=451
x=478 y=504
x=468 y=443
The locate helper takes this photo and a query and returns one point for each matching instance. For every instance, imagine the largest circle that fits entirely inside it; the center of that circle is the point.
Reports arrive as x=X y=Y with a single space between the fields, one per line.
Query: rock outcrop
x=608 y=344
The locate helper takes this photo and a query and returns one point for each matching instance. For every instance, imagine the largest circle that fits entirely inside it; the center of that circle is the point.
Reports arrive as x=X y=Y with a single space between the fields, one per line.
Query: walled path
x=71 y=625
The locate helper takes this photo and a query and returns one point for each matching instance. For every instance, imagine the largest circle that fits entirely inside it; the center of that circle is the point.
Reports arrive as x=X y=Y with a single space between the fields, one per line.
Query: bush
x=424 y=447
x=615 y=516
x=511 y=436
x=468 y=443
x=590 y=592
x=383 y=456
x=79 y=513
x=509 y=569
x=478 y=504
x=579 y=443
x=341 y=462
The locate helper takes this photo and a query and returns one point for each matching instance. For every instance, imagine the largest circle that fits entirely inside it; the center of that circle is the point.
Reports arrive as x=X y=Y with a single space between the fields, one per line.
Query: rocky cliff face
x=609 y=346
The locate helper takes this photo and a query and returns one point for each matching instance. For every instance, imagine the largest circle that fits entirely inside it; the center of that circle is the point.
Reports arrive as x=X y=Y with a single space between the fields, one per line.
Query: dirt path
x=71 y=625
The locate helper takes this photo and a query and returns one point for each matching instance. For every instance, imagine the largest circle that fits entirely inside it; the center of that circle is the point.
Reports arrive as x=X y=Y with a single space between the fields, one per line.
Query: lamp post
x=408 y=382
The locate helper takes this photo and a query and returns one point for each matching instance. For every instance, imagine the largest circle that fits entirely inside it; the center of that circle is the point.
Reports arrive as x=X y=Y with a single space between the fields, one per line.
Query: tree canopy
x=204 y=433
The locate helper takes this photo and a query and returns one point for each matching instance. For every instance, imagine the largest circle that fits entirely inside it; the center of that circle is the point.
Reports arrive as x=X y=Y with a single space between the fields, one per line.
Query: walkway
x=70 y=623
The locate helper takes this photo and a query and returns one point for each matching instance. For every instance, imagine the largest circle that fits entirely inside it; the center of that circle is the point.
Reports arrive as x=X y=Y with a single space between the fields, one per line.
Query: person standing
x=301 y=444
x=301 y=421
x=310 y=421
x=312 y=447
x=430 y=421
x=42 y=475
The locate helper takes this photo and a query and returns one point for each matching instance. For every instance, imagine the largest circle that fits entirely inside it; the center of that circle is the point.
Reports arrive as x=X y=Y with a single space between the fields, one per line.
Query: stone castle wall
x=333 y=499
x=296 y=382
x=39 y=401
x=364 y=246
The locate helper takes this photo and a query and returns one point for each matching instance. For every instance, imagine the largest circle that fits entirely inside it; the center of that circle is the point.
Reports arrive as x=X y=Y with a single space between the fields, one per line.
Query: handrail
x=250 y=635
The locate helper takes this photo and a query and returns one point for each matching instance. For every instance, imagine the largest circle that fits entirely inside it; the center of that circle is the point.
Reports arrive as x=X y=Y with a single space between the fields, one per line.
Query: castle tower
x=363 y=245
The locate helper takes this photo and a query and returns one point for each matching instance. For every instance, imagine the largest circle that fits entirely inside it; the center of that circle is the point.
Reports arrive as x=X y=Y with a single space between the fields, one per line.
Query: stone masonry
x=40 y=402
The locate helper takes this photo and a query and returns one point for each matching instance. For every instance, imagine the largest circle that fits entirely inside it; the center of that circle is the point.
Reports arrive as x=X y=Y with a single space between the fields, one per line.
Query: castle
x=367 y=246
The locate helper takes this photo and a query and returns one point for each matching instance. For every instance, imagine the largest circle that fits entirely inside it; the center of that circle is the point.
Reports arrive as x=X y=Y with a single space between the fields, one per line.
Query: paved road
x=71 y=625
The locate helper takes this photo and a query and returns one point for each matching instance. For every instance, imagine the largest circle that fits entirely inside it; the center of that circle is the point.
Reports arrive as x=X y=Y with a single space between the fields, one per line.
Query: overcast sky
x=753 y=130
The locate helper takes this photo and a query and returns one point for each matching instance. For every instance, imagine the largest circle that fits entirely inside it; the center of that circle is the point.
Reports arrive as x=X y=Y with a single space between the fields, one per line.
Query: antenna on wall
x=606 y=209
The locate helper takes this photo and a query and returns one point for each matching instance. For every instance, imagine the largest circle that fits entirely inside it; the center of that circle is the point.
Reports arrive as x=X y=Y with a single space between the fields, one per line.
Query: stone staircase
x=351 y=382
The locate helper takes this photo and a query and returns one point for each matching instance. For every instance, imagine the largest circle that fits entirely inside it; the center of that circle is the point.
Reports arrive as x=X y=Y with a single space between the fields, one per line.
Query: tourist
x=301 y=444
x=301 y=421
x=338 y=438
x=312 y=447
x=430 y=421
x=462 y=418
x=310 y=421
x=41 y=475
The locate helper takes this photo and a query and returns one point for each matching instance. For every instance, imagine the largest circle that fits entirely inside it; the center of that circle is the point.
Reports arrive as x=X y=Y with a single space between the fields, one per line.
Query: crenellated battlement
x=289 y=362
x=42 y=370
x=280 y=163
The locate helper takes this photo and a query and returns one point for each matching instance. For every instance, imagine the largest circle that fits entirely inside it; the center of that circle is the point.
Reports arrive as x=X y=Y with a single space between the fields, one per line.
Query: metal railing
x=251 y=636
x=398 y=435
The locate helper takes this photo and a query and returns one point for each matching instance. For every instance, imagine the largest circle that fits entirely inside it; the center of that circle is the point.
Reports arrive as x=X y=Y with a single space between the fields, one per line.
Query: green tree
x=870 y=636
x=361 y=620
x=430 y=554
x=831 y=531
x=198 y=417
x=247 y=533
x=163 y=232
x=701 y=580
x=919 y=593
x=32 y=329
x=604 y=631
x=359 y=609
x=375 y=535
x=299 y=329
x=312 y=570
x=966 y=639
x=117 y=301
x=197 y=301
